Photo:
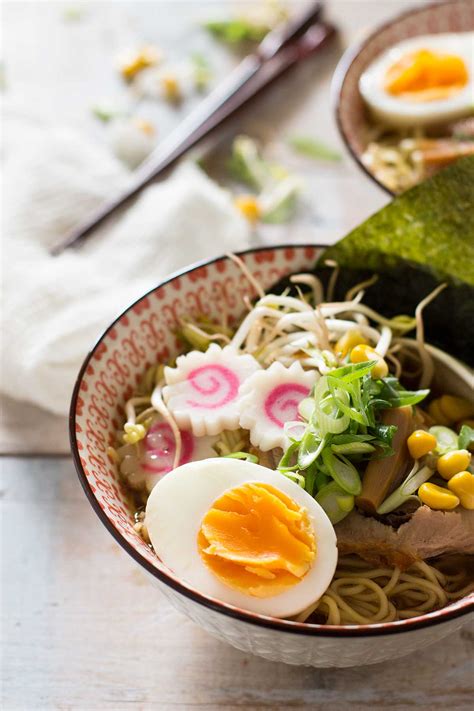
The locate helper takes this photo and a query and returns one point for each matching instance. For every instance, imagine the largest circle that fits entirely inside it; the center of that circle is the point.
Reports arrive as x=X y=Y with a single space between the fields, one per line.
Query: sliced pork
x=427 y=534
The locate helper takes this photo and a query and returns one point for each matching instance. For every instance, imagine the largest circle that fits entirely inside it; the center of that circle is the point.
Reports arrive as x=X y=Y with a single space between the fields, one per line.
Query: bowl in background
x=143 y=335
x=350 y=110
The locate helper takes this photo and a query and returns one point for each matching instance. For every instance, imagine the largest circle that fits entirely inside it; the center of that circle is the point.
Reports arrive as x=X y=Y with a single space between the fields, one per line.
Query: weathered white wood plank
x=83 y=628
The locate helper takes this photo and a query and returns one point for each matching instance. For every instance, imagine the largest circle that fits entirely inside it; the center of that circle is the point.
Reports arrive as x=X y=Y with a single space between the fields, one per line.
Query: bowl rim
x=462 y=607
x=343 y=67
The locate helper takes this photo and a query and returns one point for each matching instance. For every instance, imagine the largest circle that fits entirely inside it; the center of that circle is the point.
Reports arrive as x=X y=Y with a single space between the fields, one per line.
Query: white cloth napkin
x=54 y=308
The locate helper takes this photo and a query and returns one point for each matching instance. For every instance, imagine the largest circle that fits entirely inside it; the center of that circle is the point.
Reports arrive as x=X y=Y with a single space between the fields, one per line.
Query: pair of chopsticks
x=280 y=49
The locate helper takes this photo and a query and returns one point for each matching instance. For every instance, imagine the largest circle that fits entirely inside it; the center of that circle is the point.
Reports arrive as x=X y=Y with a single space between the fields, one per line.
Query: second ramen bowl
x=351 y=113
x=144 y=335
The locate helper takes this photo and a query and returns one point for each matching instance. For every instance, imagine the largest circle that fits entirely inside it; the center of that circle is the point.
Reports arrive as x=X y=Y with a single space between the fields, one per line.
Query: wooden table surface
x=84 y=629
x=81 y=626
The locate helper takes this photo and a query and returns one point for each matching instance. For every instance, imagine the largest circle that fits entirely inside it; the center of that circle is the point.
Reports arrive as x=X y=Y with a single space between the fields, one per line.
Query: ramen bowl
x=144 y=335
x=350 y=111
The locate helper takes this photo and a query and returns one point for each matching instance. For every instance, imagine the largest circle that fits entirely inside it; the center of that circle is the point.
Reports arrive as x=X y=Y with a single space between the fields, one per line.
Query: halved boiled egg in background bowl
x=422 y=80
x=404 y=96
x=243 y=534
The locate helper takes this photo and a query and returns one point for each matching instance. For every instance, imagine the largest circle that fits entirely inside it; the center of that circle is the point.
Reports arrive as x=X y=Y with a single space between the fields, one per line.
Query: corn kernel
x=462 y=484
x=133 y=63
x=145 y=126
x=435 y=412
x=133 y=433
x=420 y=443
x=249 y=207
x=348 y=341
x=380 y=370
x=361 y=353
x=453 y=462
x=436 y=497
x=455 y=408
x=170 y=87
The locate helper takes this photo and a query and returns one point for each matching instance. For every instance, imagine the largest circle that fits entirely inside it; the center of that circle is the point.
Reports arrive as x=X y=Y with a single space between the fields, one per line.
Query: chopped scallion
x=307 y=146
x=336 y=502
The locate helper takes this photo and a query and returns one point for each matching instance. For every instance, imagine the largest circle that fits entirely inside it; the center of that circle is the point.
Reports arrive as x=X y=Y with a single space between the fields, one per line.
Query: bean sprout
x=426 y=360
x=250 y=278
x=312 y=281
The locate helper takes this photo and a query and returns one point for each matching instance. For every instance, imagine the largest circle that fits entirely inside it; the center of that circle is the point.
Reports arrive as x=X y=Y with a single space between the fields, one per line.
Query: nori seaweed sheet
x=423 y=237
x=431 y=225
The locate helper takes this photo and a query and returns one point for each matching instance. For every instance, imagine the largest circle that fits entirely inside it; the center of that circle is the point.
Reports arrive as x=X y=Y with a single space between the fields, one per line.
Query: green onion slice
x=446 y=438
x=310 y=448
x=466 y=437
x=353 y=448
x=343 y=472
x=306 y=408
x=336 y=502
x=406 y=490
x=327 y=413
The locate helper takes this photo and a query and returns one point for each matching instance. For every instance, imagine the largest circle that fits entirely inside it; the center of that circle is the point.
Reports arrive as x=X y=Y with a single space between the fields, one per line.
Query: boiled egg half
x=424 y=80
x=242 y=534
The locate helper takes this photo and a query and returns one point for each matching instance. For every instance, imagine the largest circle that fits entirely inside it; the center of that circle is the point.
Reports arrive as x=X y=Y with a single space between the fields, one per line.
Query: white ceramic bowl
x=143 y=335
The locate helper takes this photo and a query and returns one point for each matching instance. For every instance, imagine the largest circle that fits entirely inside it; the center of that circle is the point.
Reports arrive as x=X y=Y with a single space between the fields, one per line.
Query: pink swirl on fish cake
x=216 y=384
x=281 y=403
x=160 y=449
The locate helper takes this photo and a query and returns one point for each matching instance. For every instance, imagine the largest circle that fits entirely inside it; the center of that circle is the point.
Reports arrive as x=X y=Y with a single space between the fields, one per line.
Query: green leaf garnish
x=320 y=480
x=406 y=490
x=347 y=373
x=246 y=164
x=279 y=191
x=353 y=448
x=466 y=437
x=343 y=428
x=343 y=472
x=105 y=113
x=73 y=13
x=237 y=30
x=297 y=478
x=202 y=73
x=336 y=502
x=446 y=438
x=311 y=148
x=393 y=393
x=310 y=448
x=279 y=203
x=289 y=461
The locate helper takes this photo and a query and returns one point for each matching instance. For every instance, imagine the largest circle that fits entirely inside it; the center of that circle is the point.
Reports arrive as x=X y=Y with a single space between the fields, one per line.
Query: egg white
x=402 y=112
x=177 y=505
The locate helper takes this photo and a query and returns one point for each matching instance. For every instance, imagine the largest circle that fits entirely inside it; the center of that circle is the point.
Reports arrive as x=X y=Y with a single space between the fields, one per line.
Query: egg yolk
x=426 y=76
x=257 y=540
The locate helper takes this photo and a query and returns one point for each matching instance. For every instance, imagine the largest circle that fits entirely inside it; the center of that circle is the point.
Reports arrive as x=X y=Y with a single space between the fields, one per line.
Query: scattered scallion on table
x=312 y=148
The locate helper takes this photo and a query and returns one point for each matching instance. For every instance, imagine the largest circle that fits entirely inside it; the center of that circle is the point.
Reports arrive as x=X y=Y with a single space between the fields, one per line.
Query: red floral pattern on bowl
x=144 y=334
x=351 y=114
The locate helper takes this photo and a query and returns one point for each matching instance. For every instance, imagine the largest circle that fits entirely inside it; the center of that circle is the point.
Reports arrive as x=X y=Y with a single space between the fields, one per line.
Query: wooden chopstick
x=279 y=50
